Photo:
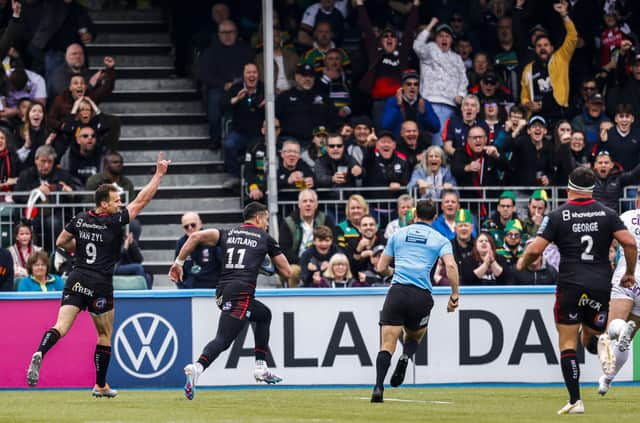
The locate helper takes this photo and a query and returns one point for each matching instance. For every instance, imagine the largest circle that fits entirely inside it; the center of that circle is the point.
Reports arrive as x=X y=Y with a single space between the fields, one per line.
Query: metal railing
x=47 y=219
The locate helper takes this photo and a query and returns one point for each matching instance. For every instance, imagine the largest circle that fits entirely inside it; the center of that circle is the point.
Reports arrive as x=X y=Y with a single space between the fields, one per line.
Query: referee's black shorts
x=408 y=306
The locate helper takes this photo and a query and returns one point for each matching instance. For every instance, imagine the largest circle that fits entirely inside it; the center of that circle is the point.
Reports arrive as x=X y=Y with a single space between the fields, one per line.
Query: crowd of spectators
x=484 y=106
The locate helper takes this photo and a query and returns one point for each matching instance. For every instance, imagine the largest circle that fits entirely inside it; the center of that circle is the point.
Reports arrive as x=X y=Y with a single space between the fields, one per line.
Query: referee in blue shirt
x=415 y=250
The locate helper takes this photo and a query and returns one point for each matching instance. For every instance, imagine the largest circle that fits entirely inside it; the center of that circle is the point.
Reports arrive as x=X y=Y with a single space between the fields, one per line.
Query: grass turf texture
x=486 y=404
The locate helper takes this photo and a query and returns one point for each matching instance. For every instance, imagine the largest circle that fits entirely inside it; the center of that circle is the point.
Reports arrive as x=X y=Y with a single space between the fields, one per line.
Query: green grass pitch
x=432 y=404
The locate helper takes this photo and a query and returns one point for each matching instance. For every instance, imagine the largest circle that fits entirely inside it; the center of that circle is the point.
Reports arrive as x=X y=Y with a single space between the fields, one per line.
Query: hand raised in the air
x=175 y=273
x=162 y=165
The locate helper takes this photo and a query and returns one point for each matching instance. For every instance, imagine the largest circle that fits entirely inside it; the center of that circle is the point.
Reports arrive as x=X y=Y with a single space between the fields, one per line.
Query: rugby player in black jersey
x=96 y=236
x=243 y=253
x=583 y=230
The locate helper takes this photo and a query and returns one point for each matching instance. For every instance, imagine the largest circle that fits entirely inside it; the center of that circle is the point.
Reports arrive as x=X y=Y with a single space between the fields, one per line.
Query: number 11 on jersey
x=238 y=263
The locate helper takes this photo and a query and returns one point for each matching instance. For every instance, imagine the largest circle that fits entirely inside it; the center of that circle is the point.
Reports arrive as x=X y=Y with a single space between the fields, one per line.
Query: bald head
x=74 y=56
x=191 y=222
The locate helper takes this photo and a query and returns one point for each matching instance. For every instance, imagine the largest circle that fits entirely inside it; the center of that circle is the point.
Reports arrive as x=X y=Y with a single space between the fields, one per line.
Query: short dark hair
x=34 y=257
x=518 y=109
x=252 y=209
x=426 y=210
x=583 y=177
x=624 y=108
x=322 y=232
x=540 y=37
x=449 y=191
x=102 y=193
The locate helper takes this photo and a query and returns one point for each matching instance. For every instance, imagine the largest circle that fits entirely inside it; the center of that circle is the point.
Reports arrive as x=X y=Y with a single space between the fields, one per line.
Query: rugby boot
x=626 y=336
x=377 y=394
x=33 y=373
x=104 y=392
x=192 y=373
x=605 y=354
x=604 y=383
x=398 y=374
x=575 y=408
x=263 y=374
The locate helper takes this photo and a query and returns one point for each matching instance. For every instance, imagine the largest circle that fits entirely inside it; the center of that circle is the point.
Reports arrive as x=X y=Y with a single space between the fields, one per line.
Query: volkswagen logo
x=146 y=345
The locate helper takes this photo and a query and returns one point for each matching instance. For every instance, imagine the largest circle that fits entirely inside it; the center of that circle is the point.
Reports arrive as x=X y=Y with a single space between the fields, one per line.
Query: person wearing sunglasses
x=512 y=243
x=336 y=169
x=202 y=266
x=87 y=160
x=406 y=105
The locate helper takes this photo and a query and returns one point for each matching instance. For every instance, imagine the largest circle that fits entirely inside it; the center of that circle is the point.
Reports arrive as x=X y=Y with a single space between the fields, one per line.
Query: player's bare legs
x=66 y=316
x=621 y=328
x=410 y=343
x=104 y=326
x=390 y=336
x=568 y=342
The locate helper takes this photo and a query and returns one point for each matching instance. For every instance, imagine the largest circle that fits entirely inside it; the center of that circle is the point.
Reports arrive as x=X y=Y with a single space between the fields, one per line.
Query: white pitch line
x=406 y=400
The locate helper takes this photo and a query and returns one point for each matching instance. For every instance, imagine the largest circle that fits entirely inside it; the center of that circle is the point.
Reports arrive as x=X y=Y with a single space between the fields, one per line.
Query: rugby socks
x=621 y=358
x=615 y=328
x=382 y=367
x=49 y=339
x=592 y=345
x=409 y=348
x=261 y=339
x=101 y=357
x=571 y=373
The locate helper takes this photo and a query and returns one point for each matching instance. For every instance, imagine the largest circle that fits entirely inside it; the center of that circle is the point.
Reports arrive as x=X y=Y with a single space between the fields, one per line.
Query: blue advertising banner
x=152 y=342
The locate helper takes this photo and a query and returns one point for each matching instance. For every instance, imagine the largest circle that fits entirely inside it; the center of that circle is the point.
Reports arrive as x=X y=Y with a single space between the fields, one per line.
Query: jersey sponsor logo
x=573 y=316
x=227 y=306
x=77 y=287
x=146 y=345
x=585 y=301
x=415 y=239
x=100 y=303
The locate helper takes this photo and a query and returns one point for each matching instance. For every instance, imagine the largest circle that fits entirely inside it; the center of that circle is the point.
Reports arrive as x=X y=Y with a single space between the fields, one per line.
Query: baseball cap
x=596 y=98
x=410 y=74
x=540 y=194
x=444 y=27
x=319 y=130
x=305 y=69
x=537 y=28
x=463 y=216
x=490 y=78
x=508 y=194
x=513 y=225
x=386 y=133
x=388 y=29
x=377 y=249
x=536 y=119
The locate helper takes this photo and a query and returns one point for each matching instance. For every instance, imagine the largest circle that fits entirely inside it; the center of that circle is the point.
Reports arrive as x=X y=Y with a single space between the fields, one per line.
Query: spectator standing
x=284 y=60
x=445 y=223
x=39 y=278
x=34 y=134
x=456 y=129
x=443 y=75
x=322 y=45
x=303 y=108
x=75 y=64
x=411 y=143
x=334 y=12
x=623 y=140
x=532 y=156
x=545 y=80
x=408 y=105
x=387 y=58
x=590 y=118
x=432 y=175
x=335 y=84
x=220 y=75
x=363 y=137
x=203 y=265
x=611 y=181
x=571 y=155
x=245 y=102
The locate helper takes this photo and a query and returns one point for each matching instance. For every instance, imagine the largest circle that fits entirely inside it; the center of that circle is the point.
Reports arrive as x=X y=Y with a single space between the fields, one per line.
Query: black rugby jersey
x=583 y=231
x=99 y=239
x=243 y=252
